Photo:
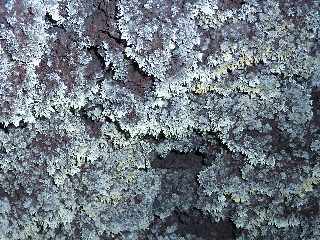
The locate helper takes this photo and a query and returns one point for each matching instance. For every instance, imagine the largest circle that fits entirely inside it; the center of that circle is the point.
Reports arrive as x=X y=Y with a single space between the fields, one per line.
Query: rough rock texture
x=159 y=119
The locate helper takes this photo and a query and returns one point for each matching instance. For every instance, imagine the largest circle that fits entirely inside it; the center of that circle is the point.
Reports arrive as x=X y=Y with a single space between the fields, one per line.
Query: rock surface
x=159 y=119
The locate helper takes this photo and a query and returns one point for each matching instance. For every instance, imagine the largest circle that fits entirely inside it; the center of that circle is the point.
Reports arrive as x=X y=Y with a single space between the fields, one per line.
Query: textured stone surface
x=159 y=119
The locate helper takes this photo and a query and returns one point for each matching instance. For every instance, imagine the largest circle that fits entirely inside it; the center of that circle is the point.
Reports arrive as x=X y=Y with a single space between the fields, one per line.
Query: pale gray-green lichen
x=159 y=119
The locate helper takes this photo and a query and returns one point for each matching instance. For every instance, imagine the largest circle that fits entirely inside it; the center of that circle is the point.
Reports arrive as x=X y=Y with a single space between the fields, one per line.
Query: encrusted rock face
x=159 y=119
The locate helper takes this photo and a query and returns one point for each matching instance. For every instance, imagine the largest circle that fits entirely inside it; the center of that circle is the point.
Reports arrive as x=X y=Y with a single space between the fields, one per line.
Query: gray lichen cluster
x=159 y=119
